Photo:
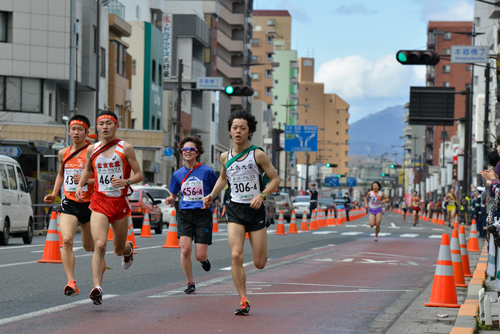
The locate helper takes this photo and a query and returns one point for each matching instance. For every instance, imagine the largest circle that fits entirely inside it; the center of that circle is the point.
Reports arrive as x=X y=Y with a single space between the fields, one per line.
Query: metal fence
x=41 y=214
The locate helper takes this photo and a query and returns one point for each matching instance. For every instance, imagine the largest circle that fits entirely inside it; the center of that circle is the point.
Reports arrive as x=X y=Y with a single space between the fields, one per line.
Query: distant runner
x=374 y=201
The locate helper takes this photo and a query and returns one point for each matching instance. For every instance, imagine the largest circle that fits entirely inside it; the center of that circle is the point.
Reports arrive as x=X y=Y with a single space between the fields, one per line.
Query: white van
x=16 y=213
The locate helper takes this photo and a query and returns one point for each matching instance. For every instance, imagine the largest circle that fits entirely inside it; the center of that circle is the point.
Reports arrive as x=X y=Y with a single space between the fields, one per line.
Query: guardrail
x=41 y=214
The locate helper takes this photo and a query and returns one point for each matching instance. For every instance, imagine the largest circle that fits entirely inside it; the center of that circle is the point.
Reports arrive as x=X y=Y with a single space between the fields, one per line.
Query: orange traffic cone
x=51 y=251
x=329 y=219
x=434 y=220
x=473 y=244
x=312 y=225
x=455 y=223
x=110 y=233
x=130 y=232
x=293 y=224
x=443 y=292
x=456 y=259
x=215 y=222
x=464 y=253
x=59 y=229
x=304 y=226
x=323 y=218
x=172 y=241
x=146 y=226
x=280 y=229
x=247 y=236
x=339 y=219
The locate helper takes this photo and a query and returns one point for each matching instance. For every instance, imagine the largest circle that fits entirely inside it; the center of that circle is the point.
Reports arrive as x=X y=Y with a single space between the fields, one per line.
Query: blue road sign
x=168 y=152
x=351 y=182
x=10 y=151
x=301 y=138
x=331 y=181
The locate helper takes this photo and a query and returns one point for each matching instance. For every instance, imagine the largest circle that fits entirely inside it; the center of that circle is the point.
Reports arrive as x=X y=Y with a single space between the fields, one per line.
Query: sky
x=354 y=43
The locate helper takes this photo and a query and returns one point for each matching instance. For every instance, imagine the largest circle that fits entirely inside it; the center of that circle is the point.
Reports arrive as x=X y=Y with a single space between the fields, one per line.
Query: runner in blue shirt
x=195 y=180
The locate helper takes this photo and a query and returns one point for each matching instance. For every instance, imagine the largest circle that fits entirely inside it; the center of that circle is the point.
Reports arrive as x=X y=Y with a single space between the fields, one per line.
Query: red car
x=140 y=201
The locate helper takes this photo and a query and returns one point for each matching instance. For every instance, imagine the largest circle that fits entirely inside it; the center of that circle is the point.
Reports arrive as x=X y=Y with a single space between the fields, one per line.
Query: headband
x=77 y=122
x=107 y=117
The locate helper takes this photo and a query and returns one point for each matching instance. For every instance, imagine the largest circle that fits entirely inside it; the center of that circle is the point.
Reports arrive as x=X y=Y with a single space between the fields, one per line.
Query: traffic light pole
x=180 y=69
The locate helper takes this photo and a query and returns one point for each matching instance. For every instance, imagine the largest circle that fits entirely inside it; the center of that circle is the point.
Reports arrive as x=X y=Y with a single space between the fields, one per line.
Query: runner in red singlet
x=71 y=165
x=110 y=161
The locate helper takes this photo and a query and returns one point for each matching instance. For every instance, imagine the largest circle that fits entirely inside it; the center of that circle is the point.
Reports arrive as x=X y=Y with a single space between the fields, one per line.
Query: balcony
x=228 y=43
x=228 y=70
x=231 y=18
x=192 y=26
x=429 y=157
x=406 y=117
x=429 y=140
x=407 y=131
x=408 y=145
x=119 y=26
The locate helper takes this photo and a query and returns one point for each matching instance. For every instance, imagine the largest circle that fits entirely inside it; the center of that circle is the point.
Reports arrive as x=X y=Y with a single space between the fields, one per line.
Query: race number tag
x=105 y=175
x=69 y=182
x=245 y=187
x=192 y=191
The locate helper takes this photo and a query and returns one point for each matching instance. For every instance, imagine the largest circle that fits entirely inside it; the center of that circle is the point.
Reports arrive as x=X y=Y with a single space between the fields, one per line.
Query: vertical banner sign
x=456 y=150
x=167 y=45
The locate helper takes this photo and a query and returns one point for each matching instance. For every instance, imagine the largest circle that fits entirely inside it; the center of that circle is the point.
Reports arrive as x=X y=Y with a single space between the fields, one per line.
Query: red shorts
x=115 y=208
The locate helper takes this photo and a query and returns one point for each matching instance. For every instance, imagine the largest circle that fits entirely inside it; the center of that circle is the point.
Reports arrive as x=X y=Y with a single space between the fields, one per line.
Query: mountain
x=374 y=134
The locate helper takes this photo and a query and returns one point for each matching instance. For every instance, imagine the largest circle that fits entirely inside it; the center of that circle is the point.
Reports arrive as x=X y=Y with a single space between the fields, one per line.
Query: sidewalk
x=418 y=318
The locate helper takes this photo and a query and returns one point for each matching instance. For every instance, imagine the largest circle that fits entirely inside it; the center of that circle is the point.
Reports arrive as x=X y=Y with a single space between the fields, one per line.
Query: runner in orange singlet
x=72 y=162
x=110 y=161
x=415 y=206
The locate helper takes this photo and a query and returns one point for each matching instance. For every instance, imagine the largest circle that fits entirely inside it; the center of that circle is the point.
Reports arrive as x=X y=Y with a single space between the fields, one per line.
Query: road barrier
x=293 y=224
x=51 y=251
x=280 y=229
x=172 y=241
x=146 y=226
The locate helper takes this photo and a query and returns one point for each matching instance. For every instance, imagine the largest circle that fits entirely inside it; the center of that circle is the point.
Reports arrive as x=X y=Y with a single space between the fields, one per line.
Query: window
x=96 y=47
x=337 y=122
x=133 y=67
x=476 y=80
x=159 y=74
x=254 y=41
x=255 y=76
x=22 y=181
x=307 y=89
x=256 y=93
x=119 y=114
x=153 y=120
x=447 y=51
x=337 y=133
x=446 y=84
x=271 y=22
x=446 y=68
x=158 y=124
x=4 y=27
x=132 y=123
x=331 y=100
x=477 y=21
x=21 y=94
x=213 y=112
x=337 y=154
x=306 y=99
x=338 y=111
x=468 y=68
x=153 y=72
x=305 y=110
x=269 y=74
x=50 y=104
x=103 y=62
x=276 y=81
x=255 y=59
x=213 y=153
x=3 y=176
x=447 y=36
x=12 y=177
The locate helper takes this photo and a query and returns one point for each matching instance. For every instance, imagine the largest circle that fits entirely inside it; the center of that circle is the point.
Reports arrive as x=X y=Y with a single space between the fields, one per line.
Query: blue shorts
x=374 y=211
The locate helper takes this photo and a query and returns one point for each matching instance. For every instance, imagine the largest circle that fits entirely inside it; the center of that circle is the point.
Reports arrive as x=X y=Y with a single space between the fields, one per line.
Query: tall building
x=262 y=75
x=330 y=113
x=277 y=21
x=441 y=36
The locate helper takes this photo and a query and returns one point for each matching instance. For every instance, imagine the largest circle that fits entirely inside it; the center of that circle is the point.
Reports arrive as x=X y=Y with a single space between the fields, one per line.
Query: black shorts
x=196 y=224
x=80 y=210
x=243 y=214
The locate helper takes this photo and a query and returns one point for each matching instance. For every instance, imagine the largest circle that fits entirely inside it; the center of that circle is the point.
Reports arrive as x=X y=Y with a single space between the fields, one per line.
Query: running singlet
x=245 y=178
x=403 y=205
x=373 y=201
x=451 y=202
x=73 y=166
x=107 y=168
x=415 y=203
x=199 y=183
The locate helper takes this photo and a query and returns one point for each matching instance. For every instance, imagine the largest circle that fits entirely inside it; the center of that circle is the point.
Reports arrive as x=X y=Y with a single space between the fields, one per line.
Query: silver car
x=283 y=202
x=160 y=193
x=301 y=204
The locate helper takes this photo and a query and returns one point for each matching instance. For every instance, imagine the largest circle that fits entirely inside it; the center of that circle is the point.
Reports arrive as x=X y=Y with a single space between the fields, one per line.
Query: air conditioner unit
x=128 y=95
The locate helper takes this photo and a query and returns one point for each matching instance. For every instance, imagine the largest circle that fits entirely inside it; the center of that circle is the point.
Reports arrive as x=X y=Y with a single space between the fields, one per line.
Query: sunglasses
x=189 y=149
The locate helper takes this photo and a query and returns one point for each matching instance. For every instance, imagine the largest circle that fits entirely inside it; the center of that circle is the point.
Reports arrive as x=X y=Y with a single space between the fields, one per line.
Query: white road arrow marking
x=380 y=234
x=376 y=261
x=435 y=236
x=351 y=233
x=325 y=232
x=408 y=235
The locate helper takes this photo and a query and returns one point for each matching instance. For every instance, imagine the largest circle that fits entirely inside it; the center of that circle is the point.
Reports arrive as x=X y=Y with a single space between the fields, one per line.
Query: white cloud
x=432 y=10
x=357 y=78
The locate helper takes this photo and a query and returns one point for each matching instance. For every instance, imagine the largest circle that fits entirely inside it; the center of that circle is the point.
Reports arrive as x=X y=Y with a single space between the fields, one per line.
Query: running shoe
x=96 y=295
x=376 y=239
x=244 y=307
x=206 y=265
x=190 y=289
x=128 y=259
x=71 y=289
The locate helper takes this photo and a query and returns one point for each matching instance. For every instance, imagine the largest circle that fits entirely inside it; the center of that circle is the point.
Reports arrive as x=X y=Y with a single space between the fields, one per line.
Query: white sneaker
x=128 y=259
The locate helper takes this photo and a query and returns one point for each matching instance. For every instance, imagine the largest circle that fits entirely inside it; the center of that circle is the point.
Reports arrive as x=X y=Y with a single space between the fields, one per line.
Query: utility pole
x=307 y=170
x=72 y=59
x=180 y=69
x=486 y=109
x=467 y=147
x=97 y=62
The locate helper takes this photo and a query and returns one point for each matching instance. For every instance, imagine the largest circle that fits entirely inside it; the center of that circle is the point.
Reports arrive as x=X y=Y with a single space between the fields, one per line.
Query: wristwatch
x=128 y=182
x=263 y=194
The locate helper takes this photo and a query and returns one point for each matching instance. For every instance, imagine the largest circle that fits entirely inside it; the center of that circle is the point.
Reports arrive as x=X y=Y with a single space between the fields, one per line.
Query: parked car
x=327 y=204
x=160 y=193
x=301 y=204
x=341 y=203
x=271 y=209
x=283 y=202
x=140 y=201
x=16 y=213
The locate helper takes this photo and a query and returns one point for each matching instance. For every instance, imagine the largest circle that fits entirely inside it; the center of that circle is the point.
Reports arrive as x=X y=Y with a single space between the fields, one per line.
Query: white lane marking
x=377 y=261
x=17 y=264
x=380 y=234
x=397 y=227
x=50 y=310
x=416 y=228
x=411 y=263
x=323 y=260
x=244 y=265
x=347 y=260
x=393 y=225
x=198 y=295
x=394 y=255
x=408 y=235
x=316 y=248
x=325 y=232
x=351 y=233
x=313 y=284
x=435 y=236
x=351 y=225
x=16 y=247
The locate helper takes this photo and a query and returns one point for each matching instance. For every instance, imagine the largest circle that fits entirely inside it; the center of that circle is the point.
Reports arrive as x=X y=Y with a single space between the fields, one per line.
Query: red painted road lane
x=338 y=289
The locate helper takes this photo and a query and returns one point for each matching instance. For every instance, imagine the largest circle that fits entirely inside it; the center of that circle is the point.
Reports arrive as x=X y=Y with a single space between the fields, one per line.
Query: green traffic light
x=392 y=166
x=338 y=175
x=328 y=165
x=229 y=90
x=402 y=57
x=383 y=174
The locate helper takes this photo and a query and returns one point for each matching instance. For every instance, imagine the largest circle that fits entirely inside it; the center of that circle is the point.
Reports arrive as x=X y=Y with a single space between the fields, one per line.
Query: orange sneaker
x=244 y=307
x=71 y=289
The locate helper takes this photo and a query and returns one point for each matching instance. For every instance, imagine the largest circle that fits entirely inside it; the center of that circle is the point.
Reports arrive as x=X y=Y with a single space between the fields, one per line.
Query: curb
x=466 y=322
